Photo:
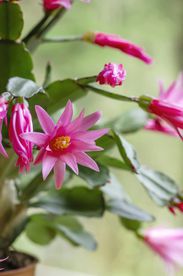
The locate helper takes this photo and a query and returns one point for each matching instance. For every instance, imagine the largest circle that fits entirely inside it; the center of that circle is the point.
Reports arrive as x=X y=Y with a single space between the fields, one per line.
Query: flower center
x=60 y=143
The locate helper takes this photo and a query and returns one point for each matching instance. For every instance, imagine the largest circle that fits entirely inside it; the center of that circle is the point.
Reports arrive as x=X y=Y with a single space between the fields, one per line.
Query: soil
x=16 y=260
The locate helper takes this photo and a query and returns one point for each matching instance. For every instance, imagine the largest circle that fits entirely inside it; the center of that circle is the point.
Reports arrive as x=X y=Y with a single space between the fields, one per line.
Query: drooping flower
x=169 y=108
x=115 y=41
x=65 y=143
x=50 y=5
x=3 y=117
x=168 y=244
x=21 y=122
x=112 y=74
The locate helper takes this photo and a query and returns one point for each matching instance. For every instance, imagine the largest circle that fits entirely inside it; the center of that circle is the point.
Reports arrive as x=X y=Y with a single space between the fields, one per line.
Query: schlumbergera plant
x=33 y=144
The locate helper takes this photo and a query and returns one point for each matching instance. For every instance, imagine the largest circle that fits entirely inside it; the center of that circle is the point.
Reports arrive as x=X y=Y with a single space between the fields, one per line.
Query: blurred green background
x=157 y=26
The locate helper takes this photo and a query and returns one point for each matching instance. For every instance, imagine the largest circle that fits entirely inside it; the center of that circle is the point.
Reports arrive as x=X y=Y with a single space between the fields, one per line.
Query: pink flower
x=160 y=126
x=169 y=109
x=115 y=41
x=3 y=116
x=168 y=244
x=56 y=4
x=65 y=143
x=50 y=5
x=21 y=121
x=112 y=74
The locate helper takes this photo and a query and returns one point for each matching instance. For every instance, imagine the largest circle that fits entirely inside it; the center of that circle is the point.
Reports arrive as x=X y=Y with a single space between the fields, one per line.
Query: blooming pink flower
x=115 y=41
x=168 y=107
x=168 y=244
x=3 y=116
x=21 y=121
x=112 y=74
x=65 y=143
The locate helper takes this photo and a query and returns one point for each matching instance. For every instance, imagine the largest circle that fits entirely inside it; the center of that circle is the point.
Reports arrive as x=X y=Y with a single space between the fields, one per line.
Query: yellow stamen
x=60 y=143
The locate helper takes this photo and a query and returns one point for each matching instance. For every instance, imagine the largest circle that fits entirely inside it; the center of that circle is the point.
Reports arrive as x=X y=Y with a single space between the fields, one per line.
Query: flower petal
x=66 y=116
x=59 y=171
x=91 y=135
x=48 y=164
x=70 y=160
x=45 y=120
x=85 y=160
x=35 y=137
x=90 y=120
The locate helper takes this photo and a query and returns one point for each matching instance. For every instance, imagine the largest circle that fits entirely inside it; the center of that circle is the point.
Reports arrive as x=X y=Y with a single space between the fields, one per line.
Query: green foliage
x=11 y=21
x=159 y=186
x=127 y=152
x=20 y=87
x=130 y=121
x=43 y=228
x=15 y=60
x=80 y=201
x=57 y=95
x=95 y=179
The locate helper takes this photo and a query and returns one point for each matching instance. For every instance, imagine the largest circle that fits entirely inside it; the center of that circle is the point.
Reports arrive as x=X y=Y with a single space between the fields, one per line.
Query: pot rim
x=21 y=269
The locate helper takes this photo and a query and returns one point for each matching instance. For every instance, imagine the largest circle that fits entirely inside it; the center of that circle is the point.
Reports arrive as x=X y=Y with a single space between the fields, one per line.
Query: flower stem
x=62 y=39
x=34 y=37
x=111 y=95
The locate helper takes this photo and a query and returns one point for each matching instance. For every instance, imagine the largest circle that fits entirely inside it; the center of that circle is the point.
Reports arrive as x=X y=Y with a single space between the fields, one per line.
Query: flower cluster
x=112 y=74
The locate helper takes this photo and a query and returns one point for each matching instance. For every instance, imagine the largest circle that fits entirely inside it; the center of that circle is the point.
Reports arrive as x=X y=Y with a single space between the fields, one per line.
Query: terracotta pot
x=28 y=266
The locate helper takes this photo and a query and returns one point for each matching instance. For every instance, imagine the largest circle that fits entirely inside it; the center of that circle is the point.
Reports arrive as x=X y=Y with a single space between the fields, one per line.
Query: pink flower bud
x=21 y=122
x=112 y=74
x=50 y=5
x=115 y=41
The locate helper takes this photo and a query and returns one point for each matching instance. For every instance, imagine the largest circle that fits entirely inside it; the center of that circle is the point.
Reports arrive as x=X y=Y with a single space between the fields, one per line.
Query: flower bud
x=21 y=122
x=112 y=74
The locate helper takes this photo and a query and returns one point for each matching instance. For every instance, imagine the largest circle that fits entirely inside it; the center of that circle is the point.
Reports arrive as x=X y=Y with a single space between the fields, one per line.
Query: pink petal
x=78 y=146
x=85 y=160
x=59 y=171
x=90 y=120
x=66 y=116
x=91 y=135
x=35 y=137
x=70 y=160
x=74 y=125
x=45 y=120
x=40 y=156
x=48 y=164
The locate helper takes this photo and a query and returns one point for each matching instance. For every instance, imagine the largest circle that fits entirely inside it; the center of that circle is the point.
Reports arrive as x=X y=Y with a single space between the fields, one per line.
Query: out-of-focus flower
x=3 y=117
x=176 y=206
x=112 y=74
x=168 y=244
x=2 y=261
x=65 y=143
x=21 y=122
x=161 y=126
x=115 y=41
x=168 y=107
x=50 y=5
